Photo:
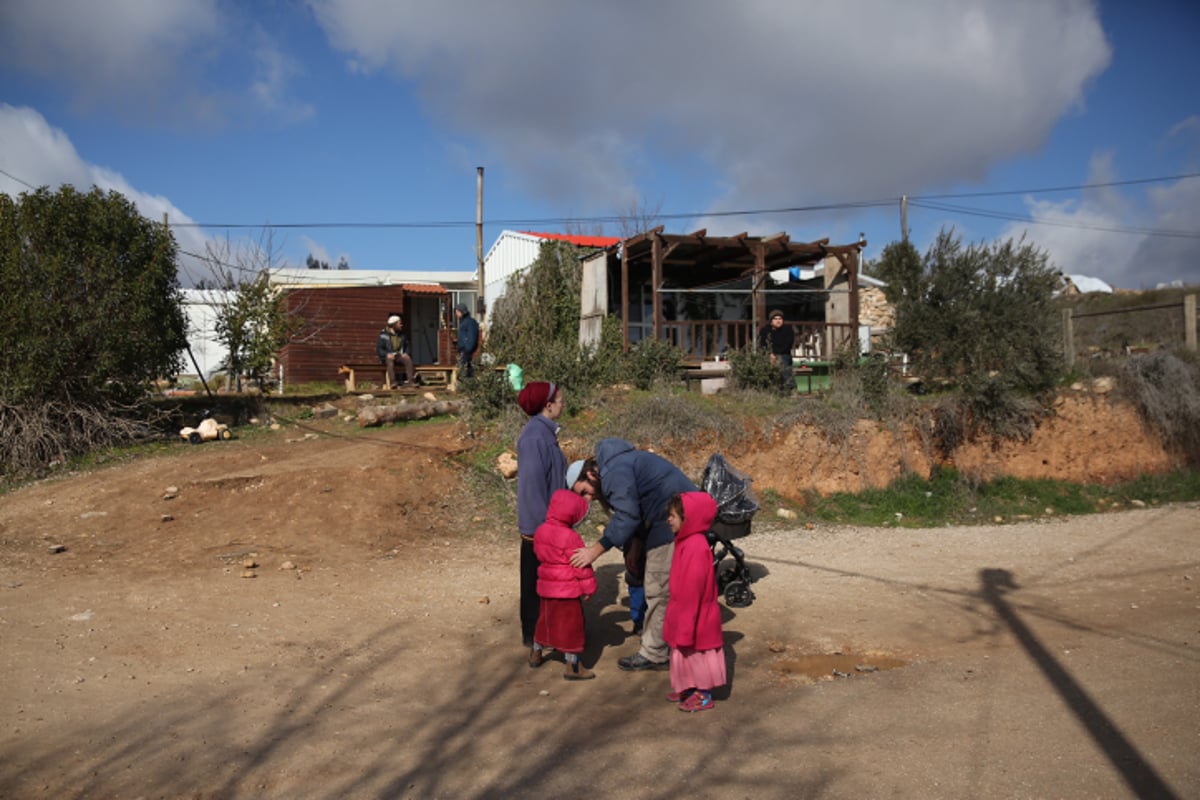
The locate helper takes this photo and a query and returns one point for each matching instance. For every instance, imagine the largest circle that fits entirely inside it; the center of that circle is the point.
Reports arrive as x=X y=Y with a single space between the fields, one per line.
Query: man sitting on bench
x=392 y=346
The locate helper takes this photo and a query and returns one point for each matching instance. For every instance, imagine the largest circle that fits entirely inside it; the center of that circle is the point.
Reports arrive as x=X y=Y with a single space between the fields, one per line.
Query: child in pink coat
x=561 y=587
x=692 y=627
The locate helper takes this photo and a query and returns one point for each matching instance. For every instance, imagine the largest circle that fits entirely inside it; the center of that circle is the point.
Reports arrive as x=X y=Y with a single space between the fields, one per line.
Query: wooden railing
x=705 y=339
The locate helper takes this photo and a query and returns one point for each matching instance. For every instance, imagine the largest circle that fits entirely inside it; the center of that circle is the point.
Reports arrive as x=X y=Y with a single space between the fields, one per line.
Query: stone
x=249 y=573
x=287 y=565
x=785 y=513
x=506 y=464
x=325 y=411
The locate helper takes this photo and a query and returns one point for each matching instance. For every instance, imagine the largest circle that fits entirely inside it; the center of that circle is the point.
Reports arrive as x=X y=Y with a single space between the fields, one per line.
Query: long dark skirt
x=560 y=625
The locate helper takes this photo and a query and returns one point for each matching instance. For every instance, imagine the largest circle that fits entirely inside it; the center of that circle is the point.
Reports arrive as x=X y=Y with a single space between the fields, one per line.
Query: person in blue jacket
x=468 y=338
x=634 y=486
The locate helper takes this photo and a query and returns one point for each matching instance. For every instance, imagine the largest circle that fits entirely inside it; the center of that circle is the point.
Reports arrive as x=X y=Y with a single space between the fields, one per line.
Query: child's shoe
x=699 y=701
x=577 y=672
x=679 y=697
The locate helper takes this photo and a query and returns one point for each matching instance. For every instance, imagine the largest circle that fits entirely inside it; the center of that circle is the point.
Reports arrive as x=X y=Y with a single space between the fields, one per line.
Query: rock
x=275 y=426
x=171 y=493
x=785 y=513
x=430 y=396
x=485 y=600
x=287 y=565
x=998 y=518
x=58 y=548
x=92 y=514
x=249 y=563
x=325 y=411
x=809 y=526
x=166 y=518
x=1137 y=503
x=506 y=464
x=249 y=573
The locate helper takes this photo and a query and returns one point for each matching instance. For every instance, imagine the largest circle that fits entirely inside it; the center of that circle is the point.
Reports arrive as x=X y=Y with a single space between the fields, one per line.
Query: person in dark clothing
x=779 y=340
x=468 y=338
x=634 y=486
x=391 y=346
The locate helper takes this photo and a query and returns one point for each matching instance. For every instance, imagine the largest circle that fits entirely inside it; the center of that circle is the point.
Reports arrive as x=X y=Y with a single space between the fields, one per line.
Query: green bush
x=751 y=368
x=90 y=315
x=653 y=360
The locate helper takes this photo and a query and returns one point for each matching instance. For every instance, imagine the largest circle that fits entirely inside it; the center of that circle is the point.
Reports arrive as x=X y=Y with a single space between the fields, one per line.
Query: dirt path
x=1049 y=659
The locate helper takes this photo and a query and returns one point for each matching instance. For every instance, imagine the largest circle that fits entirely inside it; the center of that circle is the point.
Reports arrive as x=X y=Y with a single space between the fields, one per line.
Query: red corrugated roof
x=579 y=241
x=424 y=288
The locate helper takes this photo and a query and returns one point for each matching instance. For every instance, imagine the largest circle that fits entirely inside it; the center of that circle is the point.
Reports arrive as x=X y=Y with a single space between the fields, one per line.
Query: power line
x=979 y=212
x=923 y=201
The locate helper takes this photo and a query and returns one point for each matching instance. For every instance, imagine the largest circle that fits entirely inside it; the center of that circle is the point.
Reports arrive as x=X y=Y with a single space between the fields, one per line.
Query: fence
x=703 y=340
x=1146 y=335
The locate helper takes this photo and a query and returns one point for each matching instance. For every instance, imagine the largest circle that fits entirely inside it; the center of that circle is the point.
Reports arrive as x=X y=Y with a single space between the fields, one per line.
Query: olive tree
x=91 y=313
x=253 y=323
x=980 y=318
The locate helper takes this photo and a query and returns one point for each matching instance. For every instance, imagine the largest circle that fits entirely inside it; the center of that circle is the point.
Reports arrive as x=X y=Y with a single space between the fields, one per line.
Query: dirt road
x=376 y=652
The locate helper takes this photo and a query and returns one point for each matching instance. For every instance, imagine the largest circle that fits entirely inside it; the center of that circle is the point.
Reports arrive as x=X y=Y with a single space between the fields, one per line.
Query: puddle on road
x=835 y=666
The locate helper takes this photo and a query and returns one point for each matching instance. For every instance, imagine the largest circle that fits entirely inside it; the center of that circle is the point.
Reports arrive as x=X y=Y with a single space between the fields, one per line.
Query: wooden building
x=710 y=294
x=341 y=325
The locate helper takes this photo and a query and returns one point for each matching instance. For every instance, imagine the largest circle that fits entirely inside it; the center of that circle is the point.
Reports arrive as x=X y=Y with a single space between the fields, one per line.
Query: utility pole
x=904 y=218
x=480 y=306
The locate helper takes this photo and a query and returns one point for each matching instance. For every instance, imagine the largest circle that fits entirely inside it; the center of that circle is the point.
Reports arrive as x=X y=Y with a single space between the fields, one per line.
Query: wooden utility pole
x=904 y=218
x=480 y=307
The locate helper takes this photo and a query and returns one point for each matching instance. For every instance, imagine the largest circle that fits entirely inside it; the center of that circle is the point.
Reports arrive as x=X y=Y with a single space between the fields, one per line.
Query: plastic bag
x=516 y=377
x=730 y=487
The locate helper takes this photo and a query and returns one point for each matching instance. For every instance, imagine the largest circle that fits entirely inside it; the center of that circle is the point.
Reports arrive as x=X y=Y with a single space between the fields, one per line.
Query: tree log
x=378 y=415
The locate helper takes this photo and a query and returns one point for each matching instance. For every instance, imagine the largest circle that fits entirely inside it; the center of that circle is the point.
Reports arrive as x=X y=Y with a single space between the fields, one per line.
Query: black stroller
x=736 y=506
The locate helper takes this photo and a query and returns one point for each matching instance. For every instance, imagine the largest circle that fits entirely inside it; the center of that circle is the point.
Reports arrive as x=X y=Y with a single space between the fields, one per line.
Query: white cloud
x=37 y=154
x=1109 y=235
x=785 y=102
x=159 y=61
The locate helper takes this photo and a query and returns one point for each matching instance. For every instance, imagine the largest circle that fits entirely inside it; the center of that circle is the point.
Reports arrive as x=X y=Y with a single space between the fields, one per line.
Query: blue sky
x=353 y=128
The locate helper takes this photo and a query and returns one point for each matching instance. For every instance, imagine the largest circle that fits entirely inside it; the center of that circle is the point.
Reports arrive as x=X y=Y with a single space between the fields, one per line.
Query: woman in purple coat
x=692 y=627
x=541 y=469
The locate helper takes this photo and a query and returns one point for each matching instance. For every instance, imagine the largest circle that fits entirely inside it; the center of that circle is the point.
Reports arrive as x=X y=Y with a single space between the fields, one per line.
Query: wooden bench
x=430 y=374
x=698 y=372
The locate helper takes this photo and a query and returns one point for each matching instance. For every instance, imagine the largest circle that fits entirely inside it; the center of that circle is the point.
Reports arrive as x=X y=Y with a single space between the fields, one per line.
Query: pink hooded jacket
x=693 y=617
x=554 y=541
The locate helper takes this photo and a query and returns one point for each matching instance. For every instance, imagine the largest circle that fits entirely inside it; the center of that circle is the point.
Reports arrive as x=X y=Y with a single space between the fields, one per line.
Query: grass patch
x=948 y=498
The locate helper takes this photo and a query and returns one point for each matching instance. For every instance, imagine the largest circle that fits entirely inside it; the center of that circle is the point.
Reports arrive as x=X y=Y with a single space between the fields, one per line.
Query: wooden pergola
x=697 y=259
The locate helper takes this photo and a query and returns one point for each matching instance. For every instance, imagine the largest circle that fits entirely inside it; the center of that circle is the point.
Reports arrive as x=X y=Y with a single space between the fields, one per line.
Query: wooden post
x=656 y=277
x=480 y=304
x=1068 y=338
x=625 y=295
x=1189 y=321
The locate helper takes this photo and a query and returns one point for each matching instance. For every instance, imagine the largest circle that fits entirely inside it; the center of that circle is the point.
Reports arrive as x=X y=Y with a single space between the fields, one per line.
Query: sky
x=354 y=128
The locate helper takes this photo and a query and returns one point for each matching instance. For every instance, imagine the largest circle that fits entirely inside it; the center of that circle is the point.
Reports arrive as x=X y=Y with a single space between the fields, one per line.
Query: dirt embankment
x=1088 y=439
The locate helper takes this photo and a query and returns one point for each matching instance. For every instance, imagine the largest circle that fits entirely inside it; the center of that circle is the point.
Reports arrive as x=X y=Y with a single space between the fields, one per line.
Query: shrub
x=653 y=360
x=91 y=315
x=1165 y=388
x=751 y=368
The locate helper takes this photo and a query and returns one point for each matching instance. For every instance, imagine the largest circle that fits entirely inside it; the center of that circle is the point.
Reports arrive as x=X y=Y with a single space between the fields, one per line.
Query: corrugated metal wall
x=341 y=325
x=511 y=253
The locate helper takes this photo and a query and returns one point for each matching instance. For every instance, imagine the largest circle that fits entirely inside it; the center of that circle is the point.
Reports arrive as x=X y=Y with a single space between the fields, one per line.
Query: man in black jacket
x=779 y=340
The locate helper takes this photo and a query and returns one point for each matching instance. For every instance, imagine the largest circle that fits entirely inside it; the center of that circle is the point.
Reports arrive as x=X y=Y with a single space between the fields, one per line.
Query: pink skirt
x=560 y=624
x=697 y=669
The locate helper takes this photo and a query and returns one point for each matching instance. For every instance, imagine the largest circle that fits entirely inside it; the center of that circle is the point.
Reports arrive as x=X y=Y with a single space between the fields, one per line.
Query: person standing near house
x=541 y=470
x=635 y=487
x=468 y=338
x=779 y=340
x=391 y=346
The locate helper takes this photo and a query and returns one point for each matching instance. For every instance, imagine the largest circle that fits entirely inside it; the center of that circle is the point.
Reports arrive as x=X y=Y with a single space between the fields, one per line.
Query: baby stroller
x=736 y=506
